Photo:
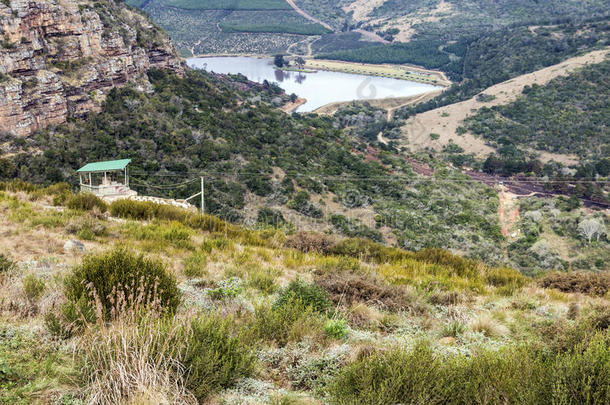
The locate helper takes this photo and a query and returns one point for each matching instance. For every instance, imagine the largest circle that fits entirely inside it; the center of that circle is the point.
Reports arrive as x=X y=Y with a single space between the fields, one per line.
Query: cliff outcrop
x=60 y=57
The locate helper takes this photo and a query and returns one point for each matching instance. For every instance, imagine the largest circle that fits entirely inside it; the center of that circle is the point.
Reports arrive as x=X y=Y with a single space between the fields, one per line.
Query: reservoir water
x=320 y=88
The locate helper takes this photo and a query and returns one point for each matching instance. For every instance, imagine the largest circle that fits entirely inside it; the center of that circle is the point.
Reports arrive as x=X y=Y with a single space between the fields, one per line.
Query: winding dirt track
x=308 y=16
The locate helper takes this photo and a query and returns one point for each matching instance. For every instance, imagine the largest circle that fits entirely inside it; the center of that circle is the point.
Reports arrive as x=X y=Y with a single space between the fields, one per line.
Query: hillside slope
x=261 y=317
x=446 y=120
x=256 y=157
x=60 y=58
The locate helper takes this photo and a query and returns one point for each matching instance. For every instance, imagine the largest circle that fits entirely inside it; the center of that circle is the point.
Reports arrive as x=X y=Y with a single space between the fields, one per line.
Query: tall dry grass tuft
x=133 y=359
x=130 y=361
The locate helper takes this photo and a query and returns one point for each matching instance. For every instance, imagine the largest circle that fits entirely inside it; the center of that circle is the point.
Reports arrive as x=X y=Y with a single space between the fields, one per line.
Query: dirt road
x=309 y=16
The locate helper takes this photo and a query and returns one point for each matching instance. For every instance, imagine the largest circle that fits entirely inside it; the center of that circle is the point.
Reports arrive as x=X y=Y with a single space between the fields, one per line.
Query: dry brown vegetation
x=597 y=284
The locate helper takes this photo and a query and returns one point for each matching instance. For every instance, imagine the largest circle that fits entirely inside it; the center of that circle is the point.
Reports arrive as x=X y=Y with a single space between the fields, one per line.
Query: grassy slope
x=481 y=316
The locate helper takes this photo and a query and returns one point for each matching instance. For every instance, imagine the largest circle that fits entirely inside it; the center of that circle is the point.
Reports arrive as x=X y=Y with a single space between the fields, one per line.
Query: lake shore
x=324 y=86
x=400 y=72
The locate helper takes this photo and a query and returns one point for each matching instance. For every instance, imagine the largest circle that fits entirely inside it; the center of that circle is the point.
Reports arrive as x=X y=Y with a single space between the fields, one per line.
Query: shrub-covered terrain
x=568 y=115
x=256 y=158
x=502 y=55
x=273 y=318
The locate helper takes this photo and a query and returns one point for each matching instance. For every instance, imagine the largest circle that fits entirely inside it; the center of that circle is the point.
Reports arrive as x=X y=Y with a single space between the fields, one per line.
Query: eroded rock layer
x=60 y=57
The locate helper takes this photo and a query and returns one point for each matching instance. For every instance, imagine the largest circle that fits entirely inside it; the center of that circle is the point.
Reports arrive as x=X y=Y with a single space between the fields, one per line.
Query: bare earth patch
x=362 y=8
x=444 y=121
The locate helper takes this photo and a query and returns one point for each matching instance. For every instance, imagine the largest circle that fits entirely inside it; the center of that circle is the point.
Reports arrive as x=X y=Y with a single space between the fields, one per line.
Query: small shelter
x=106 y=179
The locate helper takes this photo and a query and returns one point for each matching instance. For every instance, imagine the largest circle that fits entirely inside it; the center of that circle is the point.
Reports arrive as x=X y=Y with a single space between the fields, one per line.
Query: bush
x=597 y=284
x=86 y=202
x=336 y=328
x=309 y=242
x=263 y=280
x=349 y=288
x=215 y=356
x=582 y=376
x=195 y=265
x=230 y=288
x=397 y=376
x=309 y=295
x=6 y=264
x=522 y=374
x=119 y=280
x=505 y=278
x=33 y=287
x=367 y=250
x=289 y=322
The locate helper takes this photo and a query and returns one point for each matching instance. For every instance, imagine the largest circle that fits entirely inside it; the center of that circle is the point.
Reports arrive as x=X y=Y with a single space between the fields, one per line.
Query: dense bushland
x=501 y=55
x=568 y=115
x=514 y=375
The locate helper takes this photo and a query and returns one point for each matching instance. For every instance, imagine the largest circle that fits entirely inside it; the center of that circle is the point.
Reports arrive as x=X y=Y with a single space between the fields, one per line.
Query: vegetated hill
x=265 y=317
x=221 y=27
x=453 y=19
x=60 y=58
x=570 y=114
x=514 y=51
x=434 y=22
x=255 y=157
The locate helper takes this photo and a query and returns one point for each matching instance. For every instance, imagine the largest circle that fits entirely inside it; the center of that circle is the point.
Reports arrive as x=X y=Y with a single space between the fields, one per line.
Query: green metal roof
x=105 y=166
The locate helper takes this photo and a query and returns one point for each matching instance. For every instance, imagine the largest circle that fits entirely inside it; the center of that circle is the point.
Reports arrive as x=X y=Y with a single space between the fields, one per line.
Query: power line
x=374 y=178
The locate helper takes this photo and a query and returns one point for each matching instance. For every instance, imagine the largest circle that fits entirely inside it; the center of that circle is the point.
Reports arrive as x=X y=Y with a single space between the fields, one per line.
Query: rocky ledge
x=60 y=57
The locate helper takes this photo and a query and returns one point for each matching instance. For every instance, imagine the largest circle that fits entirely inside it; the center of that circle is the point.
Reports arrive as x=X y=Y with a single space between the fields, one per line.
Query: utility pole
x=202 y=196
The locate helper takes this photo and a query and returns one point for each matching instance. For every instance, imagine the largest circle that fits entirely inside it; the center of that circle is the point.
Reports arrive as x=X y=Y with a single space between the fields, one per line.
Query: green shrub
x=367 y=250
x=582 y=376
x=230 y=288
x=70 y=319
x=6 y=264
x=522 y=374
x=86 y=202
x=195 y=265
x=505 y=277
x=215 y=356
x=289 y=322
x=416 y=376
x=336 y=328
x=33 y=287
x=309 y=295
x=263 y=280
x=120 y=279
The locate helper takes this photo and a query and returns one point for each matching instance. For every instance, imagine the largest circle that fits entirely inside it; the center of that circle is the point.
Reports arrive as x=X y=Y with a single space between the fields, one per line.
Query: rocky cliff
x=60 y=57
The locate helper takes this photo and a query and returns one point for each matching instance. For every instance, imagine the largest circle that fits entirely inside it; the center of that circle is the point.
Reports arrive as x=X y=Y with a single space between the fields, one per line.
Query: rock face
x=60 y=57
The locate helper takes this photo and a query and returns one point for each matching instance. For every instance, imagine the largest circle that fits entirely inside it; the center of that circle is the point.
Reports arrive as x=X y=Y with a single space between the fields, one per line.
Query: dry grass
x=488 y=326
x=133 y=363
